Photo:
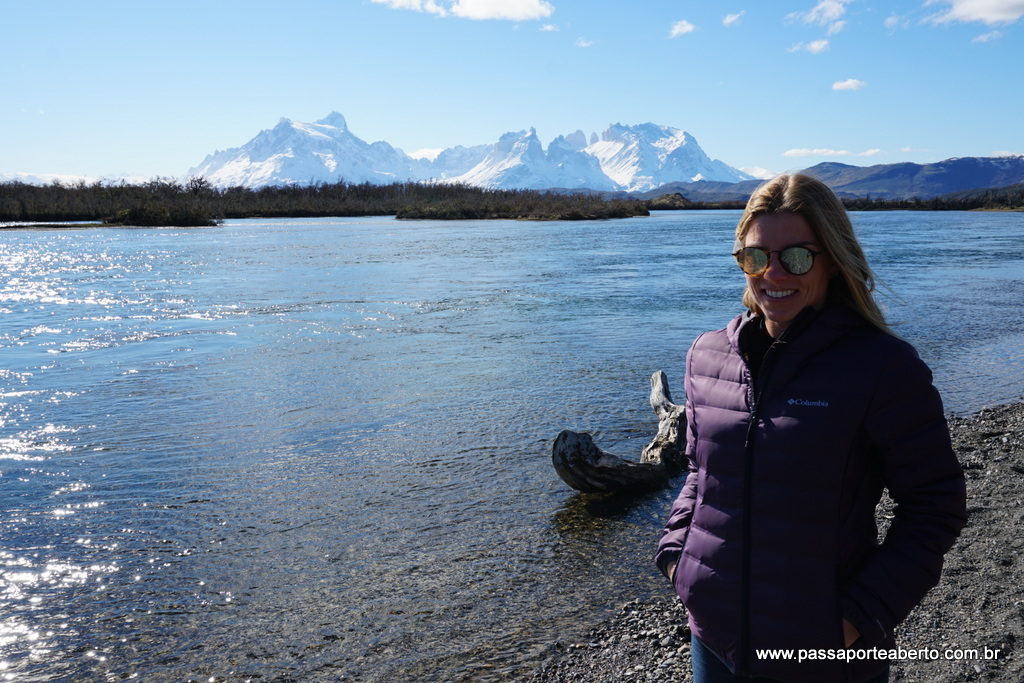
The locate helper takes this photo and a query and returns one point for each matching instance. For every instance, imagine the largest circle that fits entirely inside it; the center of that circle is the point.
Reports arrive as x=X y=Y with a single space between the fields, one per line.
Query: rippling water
x=320 y=448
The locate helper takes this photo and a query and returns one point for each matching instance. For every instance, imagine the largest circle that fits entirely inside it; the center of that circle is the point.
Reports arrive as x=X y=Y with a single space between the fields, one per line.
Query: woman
x=799 y=412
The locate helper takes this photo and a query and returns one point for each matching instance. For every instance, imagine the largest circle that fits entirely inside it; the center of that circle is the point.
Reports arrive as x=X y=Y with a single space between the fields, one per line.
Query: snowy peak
x=518 y=160
x=577 y=141
x=302 y=153
x=648 y=155
x=634 y=158
x=454 y=161
x=650 y=132
x=521 y=145
x=335 y=120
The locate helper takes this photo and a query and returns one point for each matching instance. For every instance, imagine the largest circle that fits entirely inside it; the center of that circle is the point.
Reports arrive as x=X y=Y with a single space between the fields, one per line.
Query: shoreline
x=80 y=224
x=978 y=603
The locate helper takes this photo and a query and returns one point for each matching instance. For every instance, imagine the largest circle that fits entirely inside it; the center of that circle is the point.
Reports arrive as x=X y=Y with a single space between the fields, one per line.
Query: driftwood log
x=585 y=467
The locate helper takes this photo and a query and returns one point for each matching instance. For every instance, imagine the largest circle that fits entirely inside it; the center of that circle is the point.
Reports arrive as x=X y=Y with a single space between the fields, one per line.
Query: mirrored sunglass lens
x=797 y=260
x=753 y=261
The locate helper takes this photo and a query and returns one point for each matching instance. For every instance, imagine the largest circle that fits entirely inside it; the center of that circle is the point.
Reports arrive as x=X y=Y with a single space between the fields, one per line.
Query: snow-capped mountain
x=457 y=160
x=643 y=157
x=45 y=178
x=300 y=153
x=297 y=152
x=518 y=160
x=632 y=158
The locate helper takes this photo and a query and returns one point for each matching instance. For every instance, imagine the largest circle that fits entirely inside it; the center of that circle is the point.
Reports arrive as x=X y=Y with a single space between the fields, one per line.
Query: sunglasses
x=795 y=260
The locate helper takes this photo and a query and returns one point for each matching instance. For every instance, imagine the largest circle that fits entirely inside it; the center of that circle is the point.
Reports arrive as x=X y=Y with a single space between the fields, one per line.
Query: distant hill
x=882 y=181
x=1011 y=195
x=924 y=181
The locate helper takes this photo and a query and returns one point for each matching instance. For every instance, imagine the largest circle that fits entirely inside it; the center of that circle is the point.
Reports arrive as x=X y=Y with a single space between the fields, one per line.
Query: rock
x=585 y=467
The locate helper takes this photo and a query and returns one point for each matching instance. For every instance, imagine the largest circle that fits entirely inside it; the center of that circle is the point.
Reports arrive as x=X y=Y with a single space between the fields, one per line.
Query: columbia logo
x=805 y=402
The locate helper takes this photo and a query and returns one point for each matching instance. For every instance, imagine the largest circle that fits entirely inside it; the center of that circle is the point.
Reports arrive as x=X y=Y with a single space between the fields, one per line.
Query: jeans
x=707 y=668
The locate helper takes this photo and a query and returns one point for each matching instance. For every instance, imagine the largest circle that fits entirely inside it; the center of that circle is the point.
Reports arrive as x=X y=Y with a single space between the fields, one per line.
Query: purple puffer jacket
x=774 y=531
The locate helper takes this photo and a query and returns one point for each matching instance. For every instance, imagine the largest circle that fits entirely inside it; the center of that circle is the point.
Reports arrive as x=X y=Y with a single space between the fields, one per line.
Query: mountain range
x=881 y=181
x=622 y=158
x=643 y=161
x=924 y=181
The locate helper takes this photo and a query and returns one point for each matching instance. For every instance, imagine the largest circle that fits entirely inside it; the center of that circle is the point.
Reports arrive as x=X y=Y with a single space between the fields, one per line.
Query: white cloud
x=511 y=10
x=416 y=5
x=825 y=13
x=895 y=21
x=814 y=47
x=514 y=10
x=988 y=11
x=826 y=152
x=1006 y=153
x=985 y=37
x=402 y=4
x=549 y=27
x=848 y=84
x=759 y=172
x=817 y=152
x=583 y=42
x=680 y=27
x=835 y=27
x=733 y=19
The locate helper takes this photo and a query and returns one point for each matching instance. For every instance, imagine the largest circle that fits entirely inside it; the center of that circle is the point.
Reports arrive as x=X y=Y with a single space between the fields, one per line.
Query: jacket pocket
x=681 y=560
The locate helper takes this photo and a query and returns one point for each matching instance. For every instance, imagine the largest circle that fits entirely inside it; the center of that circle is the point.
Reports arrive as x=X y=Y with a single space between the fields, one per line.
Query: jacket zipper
x=756 y=394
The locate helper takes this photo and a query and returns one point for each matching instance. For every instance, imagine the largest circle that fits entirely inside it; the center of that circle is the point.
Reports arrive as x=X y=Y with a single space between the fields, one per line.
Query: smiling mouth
x=778 y=293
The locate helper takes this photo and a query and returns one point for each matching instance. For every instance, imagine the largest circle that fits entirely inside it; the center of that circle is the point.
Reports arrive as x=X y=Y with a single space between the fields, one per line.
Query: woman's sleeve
x=907 y=428
x=673 y=536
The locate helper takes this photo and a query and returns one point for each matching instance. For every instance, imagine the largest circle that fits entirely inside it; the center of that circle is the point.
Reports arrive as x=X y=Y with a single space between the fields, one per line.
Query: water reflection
x=321 y=448
x=584 y=513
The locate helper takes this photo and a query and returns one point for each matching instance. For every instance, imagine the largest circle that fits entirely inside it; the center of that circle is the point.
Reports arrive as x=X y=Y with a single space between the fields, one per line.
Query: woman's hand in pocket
x=850 y=633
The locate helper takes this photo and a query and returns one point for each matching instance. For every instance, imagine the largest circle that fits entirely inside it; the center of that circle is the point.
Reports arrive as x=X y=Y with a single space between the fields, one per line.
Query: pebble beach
x=977 y=606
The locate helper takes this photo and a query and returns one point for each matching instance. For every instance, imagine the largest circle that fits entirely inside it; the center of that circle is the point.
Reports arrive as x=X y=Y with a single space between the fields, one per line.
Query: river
x=308 y=449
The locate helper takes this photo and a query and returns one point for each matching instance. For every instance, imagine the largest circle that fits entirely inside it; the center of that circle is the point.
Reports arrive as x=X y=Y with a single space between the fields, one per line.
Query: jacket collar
x=810 y=333
x=823 y=326
x=747 y=322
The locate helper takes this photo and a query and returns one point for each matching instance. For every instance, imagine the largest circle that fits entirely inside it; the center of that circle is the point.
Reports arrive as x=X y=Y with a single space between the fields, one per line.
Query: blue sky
x=148 y=89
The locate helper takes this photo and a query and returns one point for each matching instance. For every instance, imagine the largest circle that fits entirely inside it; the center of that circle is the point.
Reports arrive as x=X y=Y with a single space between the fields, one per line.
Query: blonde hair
x=812 y=199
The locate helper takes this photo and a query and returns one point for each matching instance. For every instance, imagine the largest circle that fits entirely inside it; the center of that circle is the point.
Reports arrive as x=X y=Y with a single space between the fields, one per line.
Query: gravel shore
x=978 y=604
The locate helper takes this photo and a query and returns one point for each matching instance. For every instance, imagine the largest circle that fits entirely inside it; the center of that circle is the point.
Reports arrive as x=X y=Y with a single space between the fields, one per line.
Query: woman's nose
x=775 y=271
